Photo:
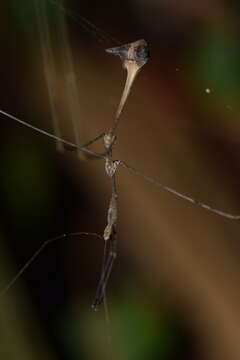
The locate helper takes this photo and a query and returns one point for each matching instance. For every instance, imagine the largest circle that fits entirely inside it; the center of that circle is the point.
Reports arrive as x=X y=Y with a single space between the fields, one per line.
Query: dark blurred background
x=174 y=292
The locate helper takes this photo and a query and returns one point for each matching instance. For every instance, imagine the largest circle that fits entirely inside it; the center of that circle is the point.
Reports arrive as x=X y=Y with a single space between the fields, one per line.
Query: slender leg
x=106 y=272
x=37 y=253
x=70 y=144
x=90 y=142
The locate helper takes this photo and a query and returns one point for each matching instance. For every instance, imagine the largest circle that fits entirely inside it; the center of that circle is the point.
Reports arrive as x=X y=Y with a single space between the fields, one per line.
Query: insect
x=133 y=56
x=128 y=54
x=112 y=167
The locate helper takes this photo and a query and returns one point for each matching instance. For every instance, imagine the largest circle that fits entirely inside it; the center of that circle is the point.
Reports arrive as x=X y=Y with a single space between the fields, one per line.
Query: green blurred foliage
x=28 y=182
x=215 y=66
x=138 y=327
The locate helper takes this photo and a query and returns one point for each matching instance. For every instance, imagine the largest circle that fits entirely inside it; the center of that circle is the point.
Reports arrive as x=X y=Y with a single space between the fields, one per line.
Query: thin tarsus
x=106 y=272
x=38 y=252
x=178 y=194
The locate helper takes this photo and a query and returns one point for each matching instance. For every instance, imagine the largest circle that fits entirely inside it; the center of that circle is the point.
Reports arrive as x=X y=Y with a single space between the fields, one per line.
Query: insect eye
x=142 y=54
